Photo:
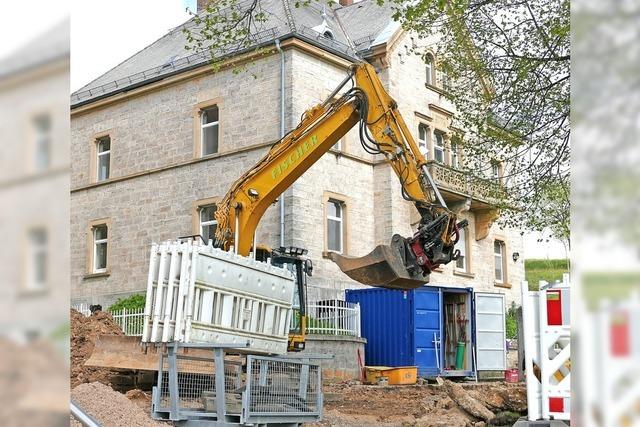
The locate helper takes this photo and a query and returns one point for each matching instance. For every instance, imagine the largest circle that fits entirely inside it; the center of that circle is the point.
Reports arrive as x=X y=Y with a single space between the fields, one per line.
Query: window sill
x=102 y=181
x=96 y=275
x=464 y=274
x=436 y=89
x=502 y=285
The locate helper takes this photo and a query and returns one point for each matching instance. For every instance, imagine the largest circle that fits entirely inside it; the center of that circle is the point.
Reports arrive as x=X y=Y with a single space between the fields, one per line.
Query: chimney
x=202 y=5
x=342 y=2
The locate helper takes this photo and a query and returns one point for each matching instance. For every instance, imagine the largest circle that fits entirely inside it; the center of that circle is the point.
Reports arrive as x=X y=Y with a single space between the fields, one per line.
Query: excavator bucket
x=384 y=267
x=123 y=352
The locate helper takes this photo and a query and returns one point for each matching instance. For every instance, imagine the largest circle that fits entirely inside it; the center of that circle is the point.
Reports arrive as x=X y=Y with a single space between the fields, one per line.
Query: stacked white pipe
x=200 y=294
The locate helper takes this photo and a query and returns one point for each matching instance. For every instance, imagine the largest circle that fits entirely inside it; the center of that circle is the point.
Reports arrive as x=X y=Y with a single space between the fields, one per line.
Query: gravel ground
x=110 y=408
x=353 y=405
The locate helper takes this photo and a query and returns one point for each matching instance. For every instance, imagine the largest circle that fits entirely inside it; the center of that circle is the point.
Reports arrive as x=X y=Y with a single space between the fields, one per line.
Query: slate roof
x=50 y=46
x=354 y=30
x=365 y=21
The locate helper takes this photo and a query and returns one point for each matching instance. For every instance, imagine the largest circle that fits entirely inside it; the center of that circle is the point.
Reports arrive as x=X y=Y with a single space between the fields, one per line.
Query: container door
x=427 y=331
x=490 y=332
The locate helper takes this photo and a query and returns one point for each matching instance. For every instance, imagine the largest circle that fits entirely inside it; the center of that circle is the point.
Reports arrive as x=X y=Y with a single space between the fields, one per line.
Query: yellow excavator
x=405 y=263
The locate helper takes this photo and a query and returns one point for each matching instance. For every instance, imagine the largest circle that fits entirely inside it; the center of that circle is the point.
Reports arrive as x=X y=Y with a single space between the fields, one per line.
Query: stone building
x=157 y=140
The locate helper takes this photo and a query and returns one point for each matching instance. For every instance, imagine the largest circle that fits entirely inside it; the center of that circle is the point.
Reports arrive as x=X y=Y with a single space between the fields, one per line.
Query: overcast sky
x=105 y=33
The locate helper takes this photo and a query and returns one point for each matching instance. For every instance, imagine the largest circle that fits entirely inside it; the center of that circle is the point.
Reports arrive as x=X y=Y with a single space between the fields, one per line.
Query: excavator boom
x=406 y=262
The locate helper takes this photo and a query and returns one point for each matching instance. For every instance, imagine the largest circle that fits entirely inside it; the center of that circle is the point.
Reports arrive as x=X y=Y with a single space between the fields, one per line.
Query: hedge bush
x=134 y=302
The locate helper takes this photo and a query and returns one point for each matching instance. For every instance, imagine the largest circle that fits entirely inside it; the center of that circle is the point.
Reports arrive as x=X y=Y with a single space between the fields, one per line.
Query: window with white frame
x=42 y=141
x=429 y=69
x=438 y=147
x=462 y=263
x=208 y=223
x=335 y=226
x=209 y=130
x=498 y=256
x=37 y=259
x=103 y=158
x=100 y=245
x=423 y=135
x=455 y=160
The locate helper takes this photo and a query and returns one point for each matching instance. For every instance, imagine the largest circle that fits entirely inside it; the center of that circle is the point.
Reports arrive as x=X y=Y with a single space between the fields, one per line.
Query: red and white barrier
x=547 y=343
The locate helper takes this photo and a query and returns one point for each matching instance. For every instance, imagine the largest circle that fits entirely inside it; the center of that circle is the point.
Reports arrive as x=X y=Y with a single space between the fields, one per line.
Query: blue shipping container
x=412 y=328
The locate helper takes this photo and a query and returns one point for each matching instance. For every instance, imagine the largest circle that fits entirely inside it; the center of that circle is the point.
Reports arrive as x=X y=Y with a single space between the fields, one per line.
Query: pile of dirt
x=109 y=407
x=450 y=405
x=84 y=331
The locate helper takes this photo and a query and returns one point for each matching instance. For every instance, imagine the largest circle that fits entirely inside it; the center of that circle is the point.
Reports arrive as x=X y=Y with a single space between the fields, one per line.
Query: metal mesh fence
x=196 y=383
x=279 y=387
x=272 y=389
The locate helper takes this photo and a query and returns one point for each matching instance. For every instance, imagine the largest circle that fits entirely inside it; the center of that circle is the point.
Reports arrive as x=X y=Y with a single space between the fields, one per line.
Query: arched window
x=429 y=64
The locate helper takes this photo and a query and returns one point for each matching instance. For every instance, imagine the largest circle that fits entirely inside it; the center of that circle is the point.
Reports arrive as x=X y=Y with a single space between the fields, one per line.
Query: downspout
x=281 y=134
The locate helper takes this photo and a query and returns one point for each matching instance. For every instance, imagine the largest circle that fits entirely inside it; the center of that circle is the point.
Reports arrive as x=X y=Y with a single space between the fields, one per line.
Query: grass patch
x=548 y=270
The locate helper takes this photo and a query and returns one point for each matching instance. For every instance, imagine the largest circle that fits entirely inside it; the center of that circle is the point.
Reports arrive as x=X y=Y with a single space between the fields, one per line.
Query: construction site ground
x=449 y=404
x=444 y=403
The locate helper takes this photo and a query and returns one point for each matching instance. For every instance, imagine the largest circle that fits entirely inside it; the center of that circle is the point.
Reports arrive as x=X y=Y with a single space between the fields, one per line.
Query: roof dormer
x=324 y=29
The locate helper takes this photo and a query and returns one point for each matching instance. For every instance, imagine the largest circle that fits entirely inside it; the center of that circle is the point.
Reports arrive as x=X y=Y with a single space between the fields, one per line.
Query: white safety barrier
x=331 y=317
x=547 y=344
x=82 y=308
x=200 y=294
x=130 y=320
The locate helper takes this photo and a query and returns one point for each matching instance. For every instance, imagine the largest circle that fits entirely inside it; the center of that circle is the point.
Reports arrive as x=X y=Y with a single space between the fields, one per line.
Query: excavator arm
x=406 y=262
